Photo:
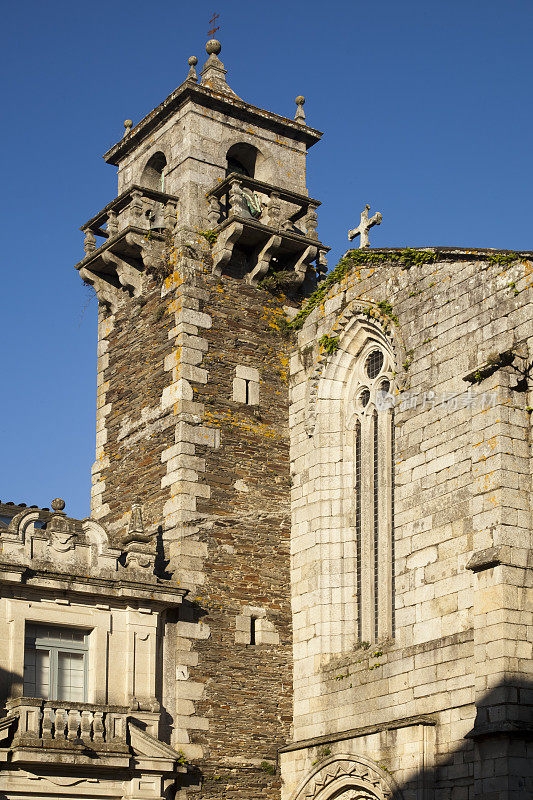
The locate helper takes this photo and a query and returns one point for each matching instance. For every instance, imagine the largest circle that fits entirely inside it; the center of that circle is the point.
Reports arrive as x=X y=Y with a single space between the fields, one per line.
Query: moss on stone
x=329 y=343
x=408 y=257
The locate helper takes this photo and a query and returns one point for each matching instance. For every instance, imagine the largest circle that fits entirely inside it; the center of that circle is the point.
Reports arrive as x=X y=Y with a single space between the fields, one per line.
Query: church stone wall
x=234 y=549
x=132 y=428
x=458 y=663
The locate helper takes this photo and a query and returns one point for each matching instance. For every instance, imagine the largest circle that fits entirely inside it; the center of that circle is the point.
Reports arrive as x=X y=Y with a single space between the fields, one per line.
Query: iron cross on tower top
x=212 y=21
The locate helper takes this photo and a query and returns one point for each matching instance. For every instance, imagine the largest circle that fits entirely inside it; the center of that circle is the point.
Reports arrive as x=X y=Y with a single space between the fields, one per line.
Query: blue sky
x=427 y=114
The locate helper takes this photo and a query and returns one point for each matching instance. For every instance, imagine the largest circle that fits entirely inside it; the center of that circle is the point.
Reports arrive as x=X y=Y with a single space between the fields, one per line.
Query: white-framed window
x=55 y=663
x=373 y=459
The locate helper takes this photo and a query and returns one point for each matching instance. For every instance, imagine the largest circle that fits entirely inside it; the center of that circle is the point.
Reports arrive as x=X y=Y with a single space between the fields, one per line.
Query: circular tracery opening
x=374 y=364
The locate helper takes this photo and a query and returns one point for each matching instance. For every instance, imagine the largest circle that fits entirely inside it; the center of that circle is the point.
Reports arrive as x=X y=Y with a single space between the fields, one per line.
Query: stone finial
x=300 y=113
x=192 y=62
x=214 y=72
x=61 y=535
x=138 y=544
x=364 y=226
x=128 y=125
x=213 y=46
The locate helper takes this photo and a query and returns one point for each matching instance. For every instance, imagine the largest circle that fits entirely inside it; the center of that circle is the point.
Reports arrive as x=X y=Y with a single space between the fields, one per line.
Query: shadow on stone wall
x=7 y=680
x=496 y=761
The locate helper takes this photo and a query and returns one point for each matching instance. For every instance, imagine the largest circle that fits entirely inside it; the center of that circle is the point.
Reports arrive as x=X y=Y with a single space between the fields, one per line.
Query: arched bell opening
x=153 y=175
x=242 y=158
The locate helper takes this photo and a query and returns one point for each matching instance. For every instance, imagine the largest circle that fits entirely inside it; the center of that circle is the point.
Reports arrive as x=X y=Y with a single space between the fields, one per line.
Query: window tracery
x=373 y=482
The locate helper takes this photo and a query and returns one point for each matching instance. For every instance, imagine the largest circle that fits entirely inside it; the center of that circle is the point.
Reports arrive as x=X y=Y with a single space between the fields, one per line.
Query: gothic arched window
x=373 y=466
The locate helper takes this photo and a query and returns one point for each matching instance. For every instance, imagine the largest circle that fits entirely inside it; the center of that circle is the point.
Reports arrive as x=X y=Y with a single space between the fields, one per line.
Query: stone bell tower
x=192 y=405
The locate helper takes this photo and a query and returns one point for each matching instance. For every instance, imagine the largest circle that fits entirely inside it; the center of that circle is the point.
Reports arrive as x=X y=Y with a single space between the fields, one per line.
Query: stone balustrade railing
x=49 y=721
x=146 y=210
x=247 y=198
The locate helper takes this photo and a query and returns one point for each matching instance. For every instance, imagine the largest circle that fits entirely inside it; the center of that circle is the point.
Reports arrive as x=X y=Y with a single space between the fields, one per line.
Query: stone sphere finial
x=300 y=113
x=58 y=504
x=193 y=61
x=213 y=46
x=128 y=124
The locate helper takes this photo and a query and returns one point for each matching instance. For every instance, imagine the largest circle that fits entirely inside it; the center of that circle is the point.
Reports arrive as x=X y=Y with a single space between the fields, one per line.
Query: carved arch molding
x=352 y=328
x=348 y=778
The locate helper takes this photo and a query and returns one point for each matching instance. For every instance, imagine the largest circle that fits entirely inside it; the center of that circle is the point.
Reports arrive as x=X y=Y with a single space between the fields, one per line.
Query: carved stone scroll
x=263 y=260
x=223 y=249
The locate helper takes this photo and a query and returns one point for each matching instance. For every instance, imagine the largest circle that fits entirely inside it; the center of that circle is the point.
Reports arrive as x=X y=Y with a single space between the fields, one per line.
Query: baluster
x=60 y=721
x=48 y=720
x=136 y=208
x=86 y=725
x=89 y=243
x=311 y=221
x=112 y=224
x=273 y=210
x=213 y=215
x=73 y=723
x=170 y=215
x=98 y=726
x=236 y=199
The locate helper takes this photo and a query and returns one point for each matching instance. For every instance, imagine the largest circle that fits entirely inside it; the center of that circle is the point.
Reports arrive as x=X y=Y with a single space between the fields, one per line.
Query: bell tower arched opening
x=153 y=175
x=242 y=158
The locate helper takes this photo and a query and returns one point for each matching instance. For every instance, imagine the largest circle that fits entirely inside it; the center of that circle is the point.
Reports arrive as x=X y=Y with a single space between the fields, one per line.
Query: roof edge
x=449 y=250
x=189 y=90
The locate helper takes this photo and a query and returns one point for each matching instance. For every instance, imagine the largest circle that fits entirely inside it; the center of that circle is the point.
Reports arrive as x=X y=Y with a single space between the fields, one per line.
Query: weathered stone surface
x=462 y=527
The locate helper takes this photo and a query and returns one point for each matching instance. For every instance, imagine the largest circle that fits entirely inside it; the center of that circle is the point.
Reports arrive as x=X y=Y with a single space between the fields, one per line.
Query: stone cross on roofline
x=364 y=226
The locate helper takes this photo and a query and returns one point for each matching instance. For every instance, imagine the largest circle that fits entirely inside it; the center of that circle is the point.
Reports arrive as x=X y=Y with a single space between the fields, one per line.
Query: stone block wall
x=211 y=470
x=232 y=549
x=461 y=653
x=193 y=132
x=132 y=426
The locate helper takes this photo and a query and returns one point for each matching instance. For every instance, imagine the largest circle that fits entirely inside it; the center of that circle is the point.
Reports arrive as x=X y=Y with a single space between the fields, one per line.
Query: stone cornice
x=504 y=727
x=354 y=733
x=453 y=253
x=190 y=91
x=261 y=186
x=296 y=238
x=120 y=588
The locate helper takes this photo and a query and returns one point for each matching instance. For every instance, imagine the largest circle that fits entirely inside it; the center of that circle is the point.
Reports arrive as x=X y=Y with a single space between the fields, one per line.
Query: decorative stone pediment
x=35 y=537
x=139 y=545
x=147 y=748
